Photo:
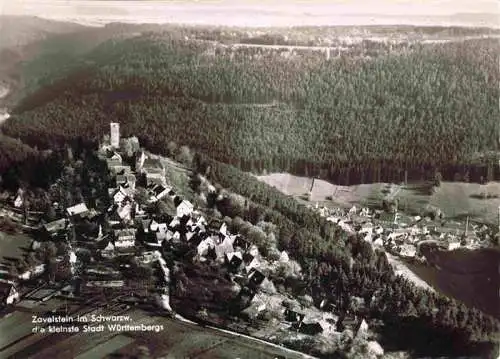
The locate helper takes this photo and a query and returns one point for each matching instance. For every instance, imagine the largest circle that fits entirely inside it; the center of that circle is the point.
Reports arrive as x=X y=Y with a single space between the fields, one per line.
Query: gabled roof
x=185 y=203
x=159 y=189
x=256 y=276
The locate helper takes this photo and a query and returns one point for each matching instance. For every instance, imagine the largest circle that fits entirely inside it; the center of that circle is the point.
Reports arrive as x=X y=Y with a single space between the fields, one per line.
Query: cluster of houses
x=133 y=228
x=401 y=234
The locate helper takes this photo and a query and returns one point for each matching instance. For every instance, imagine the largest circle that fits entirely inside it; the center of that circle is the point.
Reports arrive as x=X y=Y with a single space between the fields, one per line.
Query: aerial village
x=127 y=258
x=402 y=235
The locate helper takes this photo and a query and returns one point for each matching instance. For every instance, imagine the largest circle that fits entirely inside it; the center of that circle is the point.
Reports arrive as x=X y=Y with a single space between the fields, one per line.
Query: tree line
x=349 y=120
x=339 y=267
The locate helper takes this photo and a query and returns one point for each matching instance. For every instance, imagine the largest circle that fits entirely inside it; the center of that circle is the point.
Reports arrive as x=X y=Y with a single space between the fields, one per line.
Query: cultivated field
x=454 y=199
x=177 y=340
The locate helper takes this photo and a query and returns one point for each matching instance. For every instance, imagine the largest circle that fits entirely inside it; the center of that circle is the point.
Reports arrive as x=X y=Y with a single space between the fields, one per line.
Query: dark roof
x=158 y=189
x=239 y=241
x=311 y=328
x=247 y=257
x=5 y=289
x=256 y=277
x=293 y=316
x=235 y=261
x=177 y=200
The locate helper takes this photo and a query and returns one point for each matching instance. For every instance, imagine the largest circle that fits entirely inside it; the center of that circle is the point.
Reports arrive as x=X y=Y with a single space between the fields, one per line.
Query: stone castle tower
x=115 y=134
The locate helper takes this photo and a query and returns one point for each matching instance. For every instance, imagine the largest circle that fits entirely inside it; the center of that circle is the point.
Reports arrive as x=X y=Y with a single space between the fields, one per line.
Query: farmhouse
x=18 y=202
x=120 y=194
x=185 y=208
x=234 y=259
x=53 y=229
x=79 y=210
x=159 y=192
x=108 y=251
x=124 y=238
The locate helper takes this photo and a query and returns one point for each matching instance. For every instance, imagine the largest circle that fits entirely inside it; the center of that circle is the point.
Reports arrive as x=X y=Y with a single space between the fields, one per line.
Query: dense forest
x=339 y=267
x=350 y=120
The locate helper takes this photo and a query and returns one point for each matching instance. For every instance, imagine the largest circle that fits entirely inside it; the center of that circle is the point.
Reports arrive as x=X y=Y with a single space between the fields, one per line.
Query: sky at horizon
x=263 y=13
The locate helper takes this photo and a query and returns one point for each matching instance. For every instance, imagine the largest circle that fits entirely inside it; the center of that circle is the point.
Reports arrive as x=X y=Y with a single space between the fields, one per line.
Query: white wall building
x=185 y=208
x=115 y=134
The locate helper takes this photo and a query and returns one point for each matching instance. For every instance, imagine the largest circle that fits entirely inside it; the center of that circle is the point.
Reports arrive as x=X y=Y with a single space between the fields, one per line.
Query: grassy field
x=456 y=200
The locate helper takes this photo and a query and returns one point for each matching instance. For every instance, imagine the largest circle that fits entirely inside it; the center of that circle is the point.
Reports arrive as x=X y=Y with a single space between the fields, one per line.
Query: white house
x=77 y=210
x=9 y=293
x=185 y=208
x=453 y=245
x=18 y=202
x=284 y=257
x=224 y=248
x=253 y=264
x=159 y=192
x=223 y=229
x=119 y=195
x=125 y=212
x=204 y=246
x=124 y=238
x=154 y=226
x=408 y=250
x=174 y=222
x=109 y=251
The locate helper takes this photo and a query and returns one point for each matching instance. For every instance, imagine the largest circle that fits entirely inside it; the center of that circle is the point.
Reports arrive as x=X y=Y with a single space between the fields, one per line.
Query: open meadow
x=455 y=199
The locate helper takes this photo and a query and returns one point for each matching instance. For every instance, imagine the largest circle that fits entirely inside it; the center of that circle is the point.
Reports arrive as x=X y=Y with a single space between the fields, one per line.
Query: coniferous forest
x=349 y=120
x=339 y=266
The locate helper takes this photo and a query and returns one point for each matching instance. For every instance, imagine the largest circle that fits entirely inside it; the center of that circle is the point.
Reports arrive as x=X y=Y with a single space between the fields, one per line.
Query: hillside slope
x=348 y=120
x=455 y=199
